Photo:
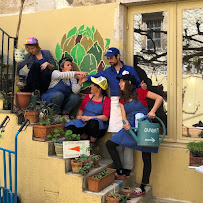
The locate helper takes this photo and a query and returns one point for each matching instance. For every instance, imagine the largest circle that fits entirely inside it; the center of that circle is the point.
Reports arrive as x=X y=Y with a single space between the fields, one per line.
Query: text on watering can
x=152 y=130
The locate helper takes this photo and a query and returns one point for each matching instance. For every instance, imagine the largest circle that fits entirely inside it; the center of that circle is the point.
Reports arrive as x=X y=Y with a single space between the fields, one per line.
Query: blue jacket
x=110 y=74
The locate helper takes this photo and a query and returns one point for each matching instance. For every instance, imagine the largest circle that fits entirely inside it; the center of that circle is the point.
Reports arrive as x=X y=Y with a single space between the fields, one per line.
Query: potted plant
x=196 y=153
x=47 y=123
x=127 y=191
x=32 y=113
x=112 y=197
x=123 y=199
x=58 y=136
x=96 y=158
x=6 y=101
x=101 y=180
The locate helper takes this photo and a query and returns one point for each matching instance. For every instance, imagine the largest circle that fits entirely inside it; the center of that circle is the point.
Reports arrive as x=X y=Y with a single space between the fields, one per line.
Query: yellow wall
x=39 y=174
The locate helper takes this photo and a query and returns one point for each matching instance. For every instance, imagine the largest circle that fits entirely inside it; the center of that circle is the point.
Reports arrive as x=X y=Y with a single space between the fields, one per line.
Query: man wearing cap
x=117 y=69
x=40 y=64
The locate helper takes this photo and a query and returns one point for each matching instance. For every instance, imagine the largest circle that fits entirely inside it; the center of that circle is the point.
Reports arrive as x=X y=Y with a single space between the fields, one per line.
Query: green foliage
x=123 y=199
x=71 y=32
x=78 y=52
x=58 y=52
x=56 y=134
x=33 y=108
x=113 y=195
x=96 y=156
x=101 y=174
x=196 y=148
x=69 y=136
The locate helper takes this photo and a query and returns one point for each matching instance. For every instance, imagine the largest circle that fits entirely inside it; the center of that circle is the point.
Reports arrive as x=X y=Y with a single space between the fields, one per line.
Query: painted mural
x=86 y=47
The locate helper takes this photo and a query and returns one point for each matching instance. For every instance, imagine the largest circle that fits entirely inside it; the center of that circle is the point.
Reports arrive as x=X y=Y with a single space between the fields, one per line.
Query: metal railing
x=7 y=64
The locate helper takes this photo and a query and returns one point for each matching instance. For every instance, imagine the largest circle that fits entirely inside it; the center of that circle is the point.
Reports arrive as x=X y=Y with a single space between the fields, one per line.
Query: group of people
x=97 y=113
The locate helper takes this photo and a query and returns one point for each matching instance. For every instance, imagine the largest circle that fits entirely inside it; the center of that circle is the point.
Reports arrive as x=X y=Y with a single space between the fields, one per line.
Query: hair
x=116 y=56
x=35 y=45
x=62 y=61
x=104 y=93
x=129 y=92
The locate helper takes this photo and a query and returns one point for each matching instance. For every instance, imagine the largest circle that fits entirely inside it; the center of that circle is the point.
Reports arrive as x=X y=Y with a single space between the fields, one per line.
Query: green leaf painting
x=78 y=52
x=89 y=63
x=58 y=52
x=71 y=32
x=96 y=51
x=86 y=47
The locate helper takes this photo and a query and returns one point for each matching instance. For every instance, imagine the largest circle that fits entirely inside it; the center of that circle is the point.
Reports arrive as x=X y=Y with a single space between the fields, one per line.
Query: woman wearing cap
x=133 y=102
x=40 y=64
x=64 y=88
x=93 y=115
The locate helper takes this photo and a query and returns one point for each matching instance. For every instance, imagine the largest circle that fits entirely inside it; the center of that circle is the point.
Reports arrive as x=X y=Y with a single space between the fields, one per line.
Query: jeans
x=64 y=102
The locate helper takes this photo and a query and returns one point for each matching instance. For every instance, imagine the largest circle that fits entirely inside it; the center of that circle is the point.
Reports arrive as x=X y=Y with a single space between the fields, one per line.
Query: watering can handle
x=131 y=131
x=164 y=128
x=25 y=124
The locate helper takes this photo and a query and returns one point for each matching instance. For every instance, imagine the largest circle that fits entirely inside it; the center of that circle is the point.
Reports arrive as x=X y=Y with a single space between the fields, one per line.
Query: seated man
x=63 y=84
x=94 y=112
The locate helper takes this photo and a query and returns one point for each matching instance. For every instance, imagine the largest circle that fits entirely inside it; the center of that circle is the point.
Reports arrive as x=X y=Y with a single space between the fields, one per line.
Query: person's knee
x=75 y=98
x=57 y=96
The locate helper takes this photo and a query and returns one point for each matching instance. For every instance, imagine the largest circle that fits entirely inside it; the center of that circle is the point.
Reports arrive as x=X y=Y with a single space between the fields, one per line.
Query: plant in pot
x=48 y=121
x=58 y=136
x=112 y=197
x=123 y=199
x=127 y=191
x=101 y=180
x=32 y=113
x=96 y=158
x=6 y=101
x=87 y=163
x=196 y=153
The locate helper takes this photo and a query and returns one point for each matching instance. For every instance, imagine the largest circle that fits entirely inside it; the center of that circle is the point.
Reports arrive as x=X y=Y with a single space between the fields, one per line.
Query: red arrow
x=75 y=148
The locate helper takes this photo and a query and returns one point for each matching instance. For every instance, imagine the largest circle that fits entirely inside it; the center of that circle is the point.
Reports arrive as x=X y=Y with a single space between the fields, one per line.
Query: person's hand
x=151 y=115
x=126 y=126
x=143 y=85
x=79 y=117
x=44 y=65
x=82 y=79
x=85 y=118
x=20 y=84
x=83 y=74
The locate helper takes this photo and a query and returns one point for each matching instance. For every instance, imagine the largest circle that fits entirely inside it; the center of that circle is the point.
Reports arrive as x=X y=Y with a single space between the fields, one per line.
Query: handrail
x=7 y=34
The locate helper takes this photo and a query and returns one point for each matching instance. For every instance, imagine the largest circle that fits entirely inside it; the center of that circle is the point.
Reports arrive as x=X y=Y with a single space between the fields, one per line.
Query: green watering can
x=147 y=133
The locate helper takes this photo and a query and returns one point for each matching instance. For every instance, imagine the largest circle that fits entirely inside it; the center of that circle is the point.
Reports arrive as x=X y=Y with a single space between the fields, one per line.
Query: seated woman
x=93 y=115
x=40 y=64
x=64 y=88
x=133 y=102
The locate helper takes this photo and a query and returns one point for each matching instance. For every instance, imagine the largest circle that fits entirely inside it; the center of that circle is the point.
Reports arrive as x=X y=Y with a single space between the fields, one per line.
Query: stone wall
x=10 y=7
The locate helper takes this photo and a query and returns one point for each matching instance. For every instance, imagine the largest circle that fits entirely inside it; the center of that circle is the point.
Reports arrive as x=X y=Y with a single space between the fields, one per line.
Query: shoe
x=138 y=192
x=199 y=124
x=120 y=177
x=66 y=118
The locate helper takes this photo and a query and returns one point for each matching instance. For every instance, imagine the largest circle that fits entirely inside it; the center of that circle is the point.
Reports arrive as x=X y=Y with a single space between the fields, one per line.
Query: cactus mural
x=86 y=47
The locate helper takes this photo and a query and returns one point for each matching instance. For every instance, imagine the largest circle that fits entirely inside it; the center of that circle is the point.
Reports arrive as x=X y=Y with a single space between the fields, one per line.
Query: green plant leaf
x=80 y=30
x=58 y=52
x=68 y=132
x=96 y=51
x=107 y=42
x=71 y=32
x=88 y=63
x=78 y=52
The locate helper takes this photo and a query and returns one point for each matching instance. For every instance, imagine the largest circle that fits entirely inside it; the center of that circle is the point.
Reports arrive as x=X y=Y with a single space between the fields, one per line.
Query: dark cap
x=112 y=51
x=127 y=77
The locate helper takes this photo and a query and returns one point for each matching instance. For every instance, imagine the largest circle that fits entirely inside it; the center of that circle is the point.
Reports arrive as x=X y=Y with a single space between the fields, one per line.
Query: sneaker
x=138 y=192
x=66 y=118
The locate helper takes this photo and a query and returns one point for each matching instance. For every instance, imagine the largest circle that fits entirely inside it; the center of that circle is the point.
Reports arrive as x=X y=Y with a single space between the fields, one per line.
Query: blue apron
x=59 y=87
x=123 y=137
x=91 y=109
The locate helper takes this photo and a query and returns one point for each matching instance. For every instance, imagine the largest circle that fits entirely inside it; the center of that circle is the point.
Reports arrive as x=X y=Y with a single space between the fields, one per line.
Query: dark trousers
x=91 y=129
x=37 y=79
x=146 y=157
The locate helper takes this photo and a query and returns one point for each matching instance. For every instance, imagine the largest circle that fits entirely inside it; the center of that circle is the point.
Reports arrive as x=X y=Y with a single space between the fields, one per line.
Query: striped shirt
x=66 y=78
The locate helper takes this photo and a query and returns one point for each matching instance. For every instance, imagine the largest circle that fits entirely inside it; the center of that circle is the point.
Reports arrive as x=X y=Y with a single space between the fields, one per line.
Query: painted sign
x=72 y=149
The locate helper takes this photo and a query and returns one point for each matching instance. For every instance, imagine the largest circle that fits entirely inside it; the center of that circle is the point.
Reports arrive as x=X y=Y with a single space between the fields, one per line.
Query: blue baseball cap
x=112 y=51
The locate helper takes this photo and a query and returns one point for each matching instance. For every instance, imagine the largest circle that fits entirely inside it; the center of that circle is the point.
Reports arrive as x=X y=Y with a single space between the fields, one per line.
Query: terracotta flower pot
x=75 y=166
x=33 y=117
x=110 y=199
x=23 y=99
x=127 y=191
x=195 y=161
